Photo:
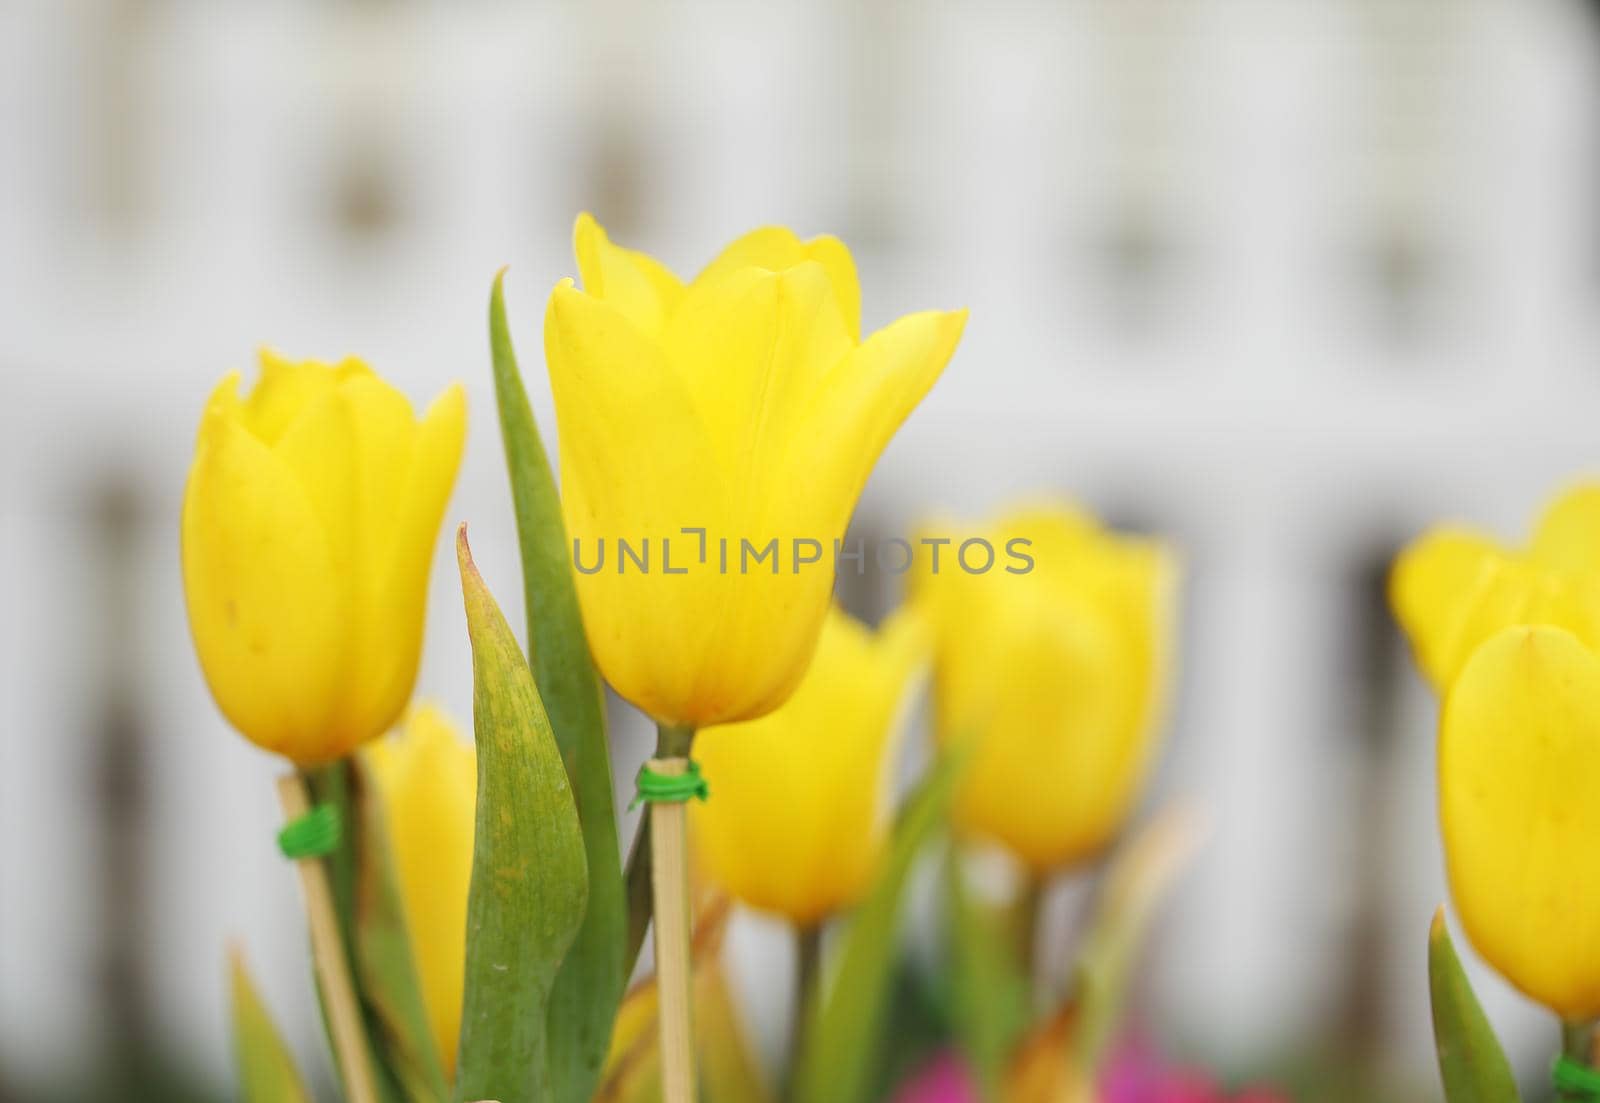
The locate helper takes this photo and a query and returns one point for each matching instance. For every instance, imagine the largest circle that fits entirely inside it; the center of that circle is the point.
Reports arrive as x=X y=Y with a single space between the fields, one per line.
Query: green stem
x=671 y=742
x=1030 y=905
x=807 y=970
x=1576 y=1038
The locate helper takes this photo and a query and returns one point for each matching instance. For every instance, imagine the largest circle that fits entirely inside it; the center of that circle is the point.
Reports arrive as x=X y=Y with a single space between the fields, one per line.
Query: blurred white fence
x=1284 y=278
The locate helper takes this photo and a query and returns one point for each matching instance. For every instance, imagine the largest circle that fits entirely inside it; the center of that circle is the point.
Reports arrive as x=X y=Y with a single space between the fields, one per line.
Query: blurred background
x=1284 y=279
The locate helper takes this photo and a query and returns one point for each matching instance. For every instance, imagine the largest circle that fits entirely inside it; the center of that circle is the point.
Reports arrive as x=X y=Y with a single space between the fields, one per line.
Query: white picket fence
x=1282 y=278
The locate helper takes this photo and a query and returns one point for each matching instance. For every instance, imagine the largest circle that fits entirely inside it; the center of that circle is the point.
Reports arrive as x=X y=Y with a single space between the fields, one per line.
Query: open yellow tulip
x=1058 y=673
x=1453 y=588
x=1519 y=767
x=745 y=408
x=309 y=524
x=799 y=806
x=427 y=779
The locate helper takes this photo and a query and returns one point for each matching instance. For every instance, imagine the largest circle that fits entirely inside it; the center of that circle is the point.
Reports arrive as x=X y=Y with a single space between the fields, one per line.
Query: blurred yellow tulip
x=427 y=779
x=1452 y=588
x=799 y=807
x=1058 y=673
x=309 y=525
x=745 y=408
x=1519 y=767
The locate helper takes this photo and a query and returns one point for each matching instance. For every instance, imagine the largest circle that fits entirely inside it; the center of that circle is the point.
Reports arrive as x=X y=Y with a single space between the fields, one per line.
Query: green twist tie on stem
x=312 y=835
x=654 y=788
x=1574 y=1079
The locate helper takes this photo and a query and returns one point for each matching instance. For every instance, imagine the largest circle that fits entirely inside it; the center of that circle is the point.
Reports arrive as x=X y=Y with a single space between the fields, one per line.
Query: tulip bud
x=745 y=408
x=309 y=525
x=427 y=780
x=1057 y=671
x=799 y=807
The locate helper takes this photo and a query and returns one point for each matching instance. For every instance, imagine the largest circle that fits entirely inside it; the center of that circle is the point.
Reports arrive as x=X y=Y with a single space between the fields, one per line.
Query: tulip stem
x=807 y=968
x=670 y=880
x=1576 y=1040
x=328 y=954
x=671 y=742
x=1030 y=908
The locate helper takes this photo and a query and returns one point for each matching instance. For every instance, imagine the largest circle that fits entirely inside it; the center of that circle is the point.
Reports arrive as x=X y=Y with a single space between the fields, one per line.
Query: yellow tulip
x=743 y=405
x=309 y=524
x=427 y=779
x=1519 y=767
x=799 y=806
x=1058 y=673
x=1452 y=589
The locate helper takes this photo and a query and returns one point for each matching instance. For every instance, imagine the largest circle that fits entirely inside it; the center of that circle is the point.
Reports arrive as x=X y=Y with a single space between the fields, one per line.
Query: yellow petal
x=638 y=285
x=636 y=464
x=427 y=780
x=1452 y=590
x=1430 y=586
x=288 y=387
x=751 y=348
x=798 y=812
x=266 y=604
x=1519 y=766
x=856 y=410
x=1567 y=537
x=775 y=248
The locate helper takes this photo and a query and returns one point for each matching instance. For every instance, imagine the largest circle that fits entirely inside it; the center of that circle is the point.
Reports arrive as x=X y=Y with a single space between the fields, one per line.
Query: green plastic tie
x=1574 y=1079
x=654 y=788
x=312 y=835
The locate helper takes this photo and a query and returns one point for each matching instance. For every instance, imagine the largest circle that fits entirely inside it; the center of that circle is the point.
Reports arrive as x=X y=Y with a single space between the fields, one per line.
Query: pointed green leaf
x=842 y=1038
x=397 y=1017
x=1471 y=1062
x=990 y=988
x=589 y=986
x=267 y=1073
x=529 y=879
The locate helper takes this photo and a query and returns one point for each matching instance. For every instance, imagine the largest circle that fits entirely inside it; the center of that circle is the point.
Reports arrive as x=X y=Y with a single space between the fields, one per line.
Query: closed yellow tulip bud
x=799 y=806
x=744 y=406
x=1519 y=767
x=1452 y=589
x=309 y=524
x=1057 y=671
x=1510 y=638
x=427 y=779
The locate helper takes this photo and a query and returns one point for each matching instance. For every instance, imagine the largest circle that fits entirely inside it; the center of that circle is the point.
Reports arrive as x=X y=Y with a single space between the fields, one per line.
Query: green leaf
x=1471 y=1062
x=397 y=1017
x=589 y=987
x=267 y=1073
x=529 y=879
x=990 y=988
x=841 y=1041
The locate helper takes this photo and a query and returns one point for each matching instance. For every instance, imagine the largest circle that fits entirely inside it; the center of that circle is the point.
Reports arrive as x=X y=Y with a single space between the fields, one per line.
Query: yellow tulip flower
x=742 y=406
x=799 y=807
x=427 y=779
x=1519 y=767
x=1452 y=589
x=1057 y=672
x=309 y=524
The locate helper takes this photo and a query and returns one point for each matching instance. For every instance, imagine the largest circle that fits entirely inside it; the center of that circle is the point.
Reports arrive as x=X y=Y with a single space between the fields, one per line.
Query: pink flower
x=944 y=1079
x=1137 y=1075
